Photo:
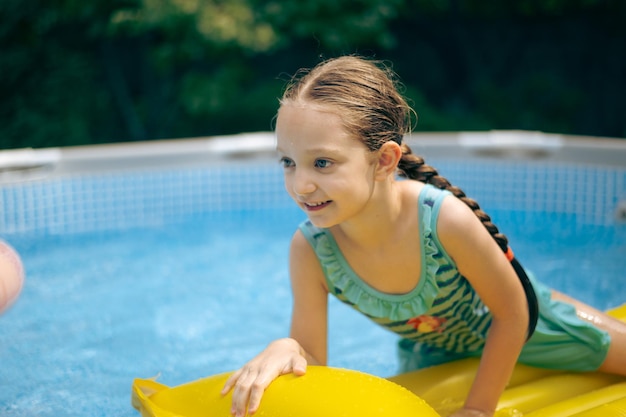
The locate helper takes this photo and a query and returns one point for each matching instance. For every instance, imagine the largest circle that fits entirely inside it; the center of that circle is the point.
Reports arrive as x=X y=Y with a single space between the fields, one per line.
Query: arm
x=309 y=317
x=307 y=341
x=481 y=261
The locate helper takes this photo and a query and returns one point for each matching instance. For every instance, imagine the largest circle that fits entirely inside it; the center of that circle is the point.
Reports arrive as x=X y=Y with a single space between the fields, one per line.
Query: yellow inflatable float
x=431 y=392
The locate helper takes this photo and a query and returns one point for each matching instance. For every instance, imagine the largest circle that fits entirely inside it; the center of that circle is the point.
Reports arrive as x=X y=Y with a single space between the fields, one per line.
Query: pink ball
x=11 y=276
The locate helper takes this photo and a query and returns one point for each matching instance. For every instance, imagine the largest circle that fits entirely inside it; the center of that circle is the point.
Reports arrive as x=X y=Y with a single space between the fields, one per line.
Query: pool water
x=201 y=296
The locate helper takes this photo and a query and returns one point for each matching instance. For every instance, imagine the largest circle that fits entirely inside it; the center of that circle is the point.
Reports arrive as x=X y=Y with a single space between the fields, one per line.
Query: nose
x=302 y=183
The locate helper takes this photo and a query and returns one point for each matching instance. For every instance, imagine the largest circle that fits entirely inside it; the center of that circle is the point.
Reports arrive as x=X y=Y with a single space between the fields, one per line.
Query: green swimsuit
x=443 y=318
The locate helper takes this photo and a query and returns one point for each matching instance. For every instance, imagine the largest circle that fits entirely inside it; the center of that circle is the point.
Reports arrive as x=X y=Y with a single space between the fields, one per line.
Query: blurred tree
x=47 y=71
x=74 y=72
x=555 y=66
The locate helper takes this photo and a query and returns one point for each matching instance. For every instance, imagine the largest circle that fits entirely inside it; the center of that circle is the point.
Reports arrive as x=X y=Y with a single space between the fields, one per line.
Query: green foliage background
x=77 y=72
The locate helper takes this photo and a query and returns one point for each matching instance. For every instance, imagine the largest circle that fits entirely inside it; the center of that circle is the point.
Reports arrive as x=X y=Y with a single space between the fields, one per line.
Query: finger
x=230 y=382
x=299 y=365
x=256 y=393
x=241 y=391
x=258 y=387
x=265 y=378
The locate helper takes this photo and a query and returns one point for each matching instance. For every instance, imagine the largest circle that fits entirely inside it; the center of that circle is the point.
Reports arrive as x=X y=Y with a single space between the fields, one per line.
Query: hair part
x=363 y=92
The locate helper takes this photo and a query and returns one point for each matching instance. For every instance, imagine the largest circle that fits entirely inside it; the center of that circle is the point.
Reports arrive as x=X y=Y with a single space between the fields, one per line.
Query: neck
x=380 y=222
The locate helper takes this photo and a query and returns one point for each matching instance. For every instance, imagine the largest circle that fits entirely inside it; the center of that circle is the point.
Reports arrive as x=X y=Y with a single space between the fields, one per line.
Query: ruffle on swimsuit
x=561 y=340
x=345 y=284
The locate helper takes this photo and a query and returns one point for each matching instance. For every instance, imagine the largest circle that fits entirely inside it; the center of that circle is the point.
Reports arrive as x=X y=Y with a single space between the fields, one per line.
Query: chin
x=321 y=223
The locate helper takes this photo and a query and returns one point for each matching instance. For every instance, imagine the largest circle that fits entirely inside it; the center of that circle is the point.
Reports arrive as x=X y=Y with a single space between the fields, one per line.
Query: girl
x=417 y=257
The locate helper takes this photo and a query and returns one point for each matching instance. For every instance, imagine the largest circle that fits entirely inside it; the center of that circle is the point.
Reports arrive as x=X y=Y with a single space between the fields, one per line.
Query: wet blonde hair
x=365 y=94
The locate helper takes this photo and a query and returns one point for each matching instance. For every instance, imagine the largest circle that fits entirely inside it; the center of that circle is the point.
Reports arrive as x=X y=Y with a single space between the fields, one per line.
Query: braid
x=413 y=167
x=365 y=95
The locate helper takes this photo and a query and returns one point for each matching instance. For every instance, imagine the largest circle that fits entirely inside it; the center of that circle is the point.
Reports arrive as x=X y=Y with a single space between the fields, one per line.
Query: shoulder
x=301 y=244
x=459 y=229
x=455 y=215
x=306 y=238
x=304 y=265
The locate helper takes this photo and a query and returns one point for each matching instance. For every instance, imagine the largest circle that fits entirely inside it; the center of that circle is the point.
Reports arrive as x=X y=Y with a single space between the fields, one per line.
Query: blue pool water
x=194 y=295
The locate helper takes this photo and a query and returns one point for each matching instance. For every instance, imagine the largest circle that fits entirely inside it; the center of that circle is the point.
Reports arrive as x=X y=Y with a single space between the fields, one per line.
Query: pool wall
x=82 y=189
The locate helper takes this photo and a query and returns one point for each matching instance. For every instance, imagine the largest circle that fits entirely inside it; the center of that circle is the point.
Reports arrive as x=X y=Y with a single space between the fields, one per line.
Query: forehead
x=304 y=124
x=308 y=115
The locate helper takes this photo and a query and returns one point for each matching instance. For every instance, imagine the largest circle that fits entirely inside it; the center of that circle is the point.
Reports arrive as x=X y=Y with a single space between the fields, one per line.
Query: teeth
x=315 y=204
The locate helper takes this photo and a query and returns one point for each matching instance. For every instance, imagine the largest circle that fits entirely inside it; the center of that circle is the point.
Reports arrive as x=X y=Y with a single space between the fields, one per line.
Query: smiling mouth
x=316 y=206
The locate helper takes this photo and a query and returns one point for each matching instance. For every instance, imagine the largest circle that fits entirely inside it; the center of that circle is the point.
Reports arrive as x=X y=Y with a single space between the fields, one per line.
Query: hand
x=281 y=357
x=470 y=412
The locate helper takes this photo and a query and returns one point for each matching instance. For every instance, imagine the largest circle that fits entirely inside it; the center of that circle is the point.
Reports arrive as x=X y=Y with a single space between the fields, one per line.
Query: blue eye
x=322 y=163
x=286 y=162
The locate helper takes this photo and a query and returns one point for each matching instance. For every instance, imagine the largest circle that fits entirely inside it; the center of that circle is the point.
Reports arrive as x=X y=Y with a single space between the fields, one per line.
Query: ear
x=388 y=157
